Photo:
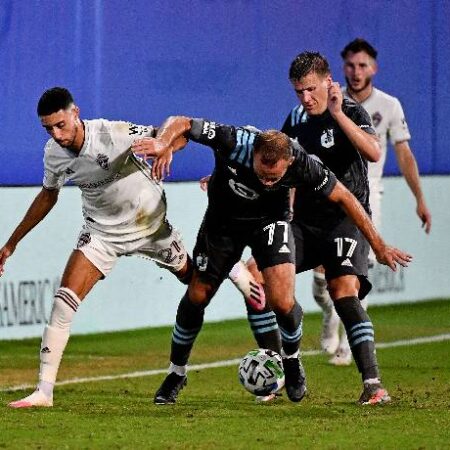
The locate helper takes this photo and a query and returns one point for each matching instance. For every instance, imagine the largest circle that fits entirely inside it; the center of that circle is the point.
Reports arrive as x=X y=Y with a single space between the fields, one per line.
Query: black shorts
x=342 y=250
x=219 y=247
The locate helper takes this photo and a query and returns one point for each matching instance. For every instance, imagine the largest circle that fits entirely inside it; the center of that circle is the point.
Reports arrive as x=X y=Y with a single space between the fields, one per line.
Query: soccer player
x=124 y=210
x=339 y=132
x=388 y=119
x=248 y=204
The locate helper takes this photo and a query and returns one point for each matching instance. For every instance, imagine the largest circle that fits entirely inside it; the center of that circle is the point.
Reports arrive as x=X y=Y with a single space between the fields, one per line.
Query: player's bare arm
x=408 y=167
x=366 y=144
x=385 y=254
x=171 y=137
x=41 y=206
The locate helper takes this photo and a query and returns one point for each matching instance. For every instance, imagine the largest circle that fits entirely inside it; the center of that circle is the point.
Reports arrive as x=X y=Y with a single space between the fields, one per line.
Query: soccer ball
x=261 y=372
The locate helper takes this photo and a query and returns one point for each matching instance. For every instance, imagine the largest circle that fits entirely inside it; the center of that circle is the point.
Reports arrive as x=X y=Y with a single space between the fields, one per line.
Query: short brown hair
x=306 y=63
x=273 y=145
x=359 y=45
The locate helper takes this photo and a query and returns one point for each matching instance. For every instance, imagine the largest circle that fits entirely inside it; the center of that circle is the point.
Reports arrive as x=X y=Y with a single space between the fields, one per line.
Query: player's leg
x=262 y=319
x=80 y=275
x=250 y=286
x=346 y=272
x=329 y=338
x=274 y=252
x=212 y=266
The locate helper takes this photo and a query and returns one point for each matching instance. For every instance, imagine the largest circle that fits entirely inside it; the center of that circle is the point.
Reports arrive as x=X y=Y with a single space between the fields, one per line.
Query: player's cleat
x=342 y=357
x=169 y=389
x=267 y=398
x=295 y=379
x=329 y=338
x=374 y=394
x=36 y=399
x=252 y=291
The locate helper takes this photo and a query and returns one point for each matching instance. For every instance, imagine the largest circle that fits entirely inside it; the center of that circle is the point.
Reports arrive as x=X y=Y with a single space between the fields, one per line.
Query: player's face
x=63 y=126
x=269 y=175
x=359 y=69
x=312 y=91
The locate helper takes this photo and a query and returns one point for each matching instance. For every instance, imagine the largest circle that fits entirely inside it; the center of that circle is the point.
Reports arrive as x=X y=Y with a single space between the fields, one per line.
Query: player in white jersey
x=124 y=210
x=389 y=122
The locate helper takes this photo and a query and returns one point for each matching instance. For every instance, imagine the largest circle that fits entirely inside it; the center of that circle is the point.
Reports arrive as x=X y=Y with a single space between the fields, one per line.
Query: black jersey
x=322 y=136
x=235 y=192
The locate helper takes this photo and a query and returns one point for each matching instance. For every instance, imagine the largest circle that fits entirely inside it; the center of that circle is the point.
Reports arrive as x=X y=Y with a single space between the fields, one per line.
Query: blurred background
x=143 y=60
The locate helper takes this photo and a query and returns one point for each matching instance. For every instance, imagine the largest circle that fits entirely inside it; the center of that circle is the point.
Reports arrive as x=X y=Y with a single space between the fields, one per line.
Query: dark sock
x=188 y=324
x=265 y=328
x=291 y=329
x=360 y=335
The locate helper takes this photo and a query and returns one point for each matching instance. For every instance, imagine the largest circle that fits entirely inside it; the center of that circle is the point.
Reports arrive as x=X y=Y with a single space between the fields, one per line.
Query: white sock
x=55 y=337
x=372 y=381
x=179 y=370
x=320 y=292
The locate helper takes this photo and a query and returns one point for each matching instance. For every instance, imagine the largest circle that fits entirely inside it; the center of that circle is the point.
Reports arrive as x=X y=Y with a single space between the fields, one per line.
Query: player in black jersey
x=340 y=133
x=248 y=203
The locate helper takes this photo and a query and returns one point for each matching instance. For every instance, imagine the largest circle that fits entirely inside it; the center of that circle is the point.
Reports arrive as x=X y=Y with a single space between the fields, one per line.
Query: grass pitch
x=214 y=411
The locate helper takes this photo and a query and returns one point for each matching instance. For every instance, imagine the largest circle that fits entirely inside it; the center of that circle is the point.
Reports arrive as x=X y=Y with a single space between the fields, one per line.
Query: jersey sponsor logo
x=346 y=262
x=242 y=190
x=137 y=129
x=209 y=129
x=201 y=262
x=83 y=240
x=97 y=184
x=327 y=138
x=103 y=161
x=324 y=182
x=376 y=119
x=284 y=249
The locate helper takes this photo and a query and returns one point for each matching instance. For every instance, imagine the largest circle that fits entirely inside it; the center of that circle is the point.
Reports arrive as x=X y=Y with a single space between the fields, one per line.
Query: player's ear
x=329 y=81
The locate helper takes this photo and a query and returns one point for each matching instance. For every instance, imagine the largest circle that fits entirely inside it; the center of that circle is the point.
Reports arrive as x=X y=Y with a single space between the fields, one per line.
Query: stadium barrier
x=139 y=294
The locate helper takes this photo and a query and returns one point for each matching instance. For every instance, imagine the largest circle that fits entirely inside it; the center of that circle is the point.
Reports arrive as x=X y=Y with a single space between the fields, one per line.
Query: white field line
x=226 y=363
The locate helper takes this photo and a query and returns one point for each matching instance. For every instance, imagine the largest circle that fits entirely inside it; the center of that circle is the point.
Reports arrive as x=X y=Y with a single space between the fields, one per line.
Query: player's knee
x=281 y=305
x=341 y=290
x=200 y=293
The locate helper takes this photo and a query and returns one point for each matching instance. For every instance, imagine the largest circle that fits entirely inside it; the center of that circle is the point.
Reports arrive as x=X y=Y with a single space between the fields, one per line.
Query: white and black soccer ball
x=261 y=372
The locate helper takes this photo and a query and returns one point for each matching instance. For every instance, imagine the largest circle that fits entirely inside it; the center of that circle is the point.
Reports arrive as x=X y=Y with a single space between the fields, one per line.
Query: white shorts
x=165 y=247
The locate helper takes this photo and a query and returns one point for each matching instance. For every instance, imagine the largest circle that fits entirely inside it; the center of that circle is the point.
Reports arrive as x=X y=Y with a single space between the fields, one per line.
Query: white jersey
x=119 y=197
x=389 y=122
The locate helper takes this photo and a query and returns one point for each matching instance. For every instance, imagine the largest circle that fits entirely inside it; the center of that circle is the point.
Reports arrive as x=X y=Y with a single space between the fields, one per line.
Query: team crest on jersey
x=327 y=138
x=242 y=190
x=209 y=128
x=84 y=239
x=201 y=262
x=103 y=161
x=376 y=119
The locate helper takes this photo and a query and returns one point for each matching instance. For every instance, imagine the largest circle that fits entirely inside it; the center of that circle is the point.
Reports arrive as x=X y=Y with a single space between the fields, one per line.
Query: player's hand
x=204 y=183
x=335 y=98
x=161 y=165
x=391 y=256
x=5 y=253
x=425 y=216
x=149 y=147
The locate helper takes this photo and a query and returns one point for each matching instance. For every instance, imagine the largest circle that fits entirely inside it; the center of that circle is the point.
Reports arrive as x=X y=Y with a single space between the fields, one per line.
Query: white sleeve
x=398 y=128
x=125 y=133
x=53 y=179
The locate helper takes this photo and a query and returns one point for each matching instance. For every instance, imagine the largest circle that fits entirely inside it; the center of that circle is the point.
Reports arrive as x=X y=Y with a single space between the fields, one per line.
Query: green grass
x=214 y=411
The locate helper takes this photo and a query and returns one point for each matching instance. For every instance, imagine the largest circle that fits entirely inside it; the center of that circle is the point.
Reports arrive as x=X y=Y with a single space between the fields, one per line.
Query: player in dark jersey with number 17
x=340 y=133
x=248 y=203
